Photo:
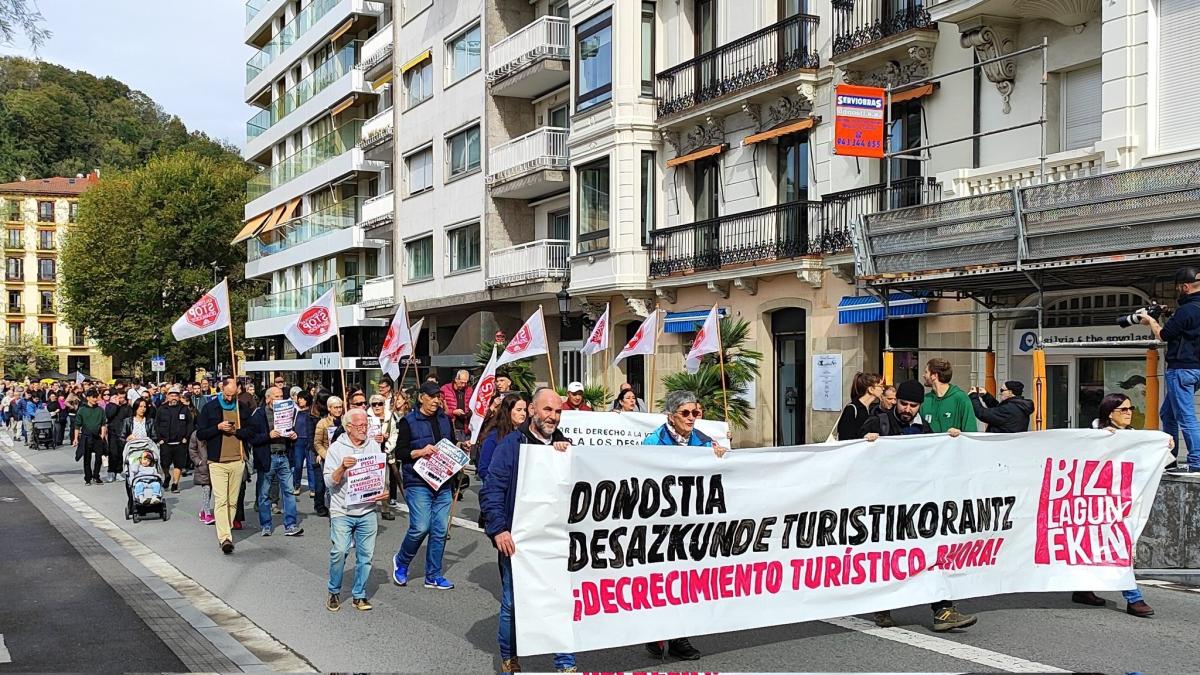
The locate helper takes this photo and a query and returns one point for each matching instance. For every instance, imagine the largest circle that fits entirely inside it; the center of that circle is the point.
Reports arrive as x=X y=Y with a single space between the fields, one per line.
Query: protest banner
x=365 y=480
x=622 y=545
x=284 y=415
x=629 y=428
x=439 y=467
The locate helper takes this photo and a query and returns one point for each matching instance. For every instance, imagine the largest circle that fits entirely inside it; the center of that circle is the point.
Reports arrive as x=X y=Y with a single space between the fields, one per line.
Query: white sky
x=187 y=55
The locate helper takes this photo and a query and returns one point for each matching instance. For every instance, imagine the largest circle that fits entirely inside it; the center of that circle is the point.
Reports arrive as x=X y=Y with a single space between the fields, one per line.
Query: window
x=419 y=82
x=464 y=54
x=593 y=207
x=47 y=304
x=1081 y=107
x=463 y=148
x=559 y=226
x=1178 y=72
x=15 y=269
x=647 y=49
x=464 y=248
x=414 y=7
x=561 y=9
x=648 y=188
x=14 y=239
x=77 y=337
x=420 y=171
x=706 y=188
x=45 y=212
x=905 y=133
x=419 y=254
x=45 y=240
x=593 y=48
x=560 y=117
x=14 y=331
x=73 y=212
x=47 y=333
x=46 y=269
x=14 y=301
x=14 y=209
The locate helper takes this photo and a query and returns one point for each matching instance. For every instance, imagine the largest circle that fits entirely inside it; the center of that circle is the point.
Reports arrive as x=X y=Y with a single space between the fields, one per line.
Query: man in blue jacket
x=1182 y=335
x=224 y=427
x=271 y=449
x=498 y=499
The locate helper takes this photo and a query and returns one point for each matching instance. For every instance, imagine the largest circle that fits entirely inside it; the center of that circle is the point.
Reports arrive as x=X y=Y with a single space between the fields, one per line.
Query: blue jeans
x=1133 y=596
x=428 y=515
x=506 y=636
x=298 y=458
x=280 y=470
x=1178 y=412
x=341 y=529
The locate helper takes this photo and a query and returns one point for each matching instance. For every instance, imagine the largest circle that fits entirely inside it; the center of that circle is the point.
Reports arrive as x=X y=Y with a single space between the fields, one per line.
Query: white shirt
x=339 y=450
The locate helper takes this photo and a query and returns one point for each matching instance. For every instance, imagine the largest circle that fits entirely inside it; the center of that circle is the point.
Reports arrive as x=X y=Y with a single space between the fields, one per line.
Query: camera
x=1154 y=309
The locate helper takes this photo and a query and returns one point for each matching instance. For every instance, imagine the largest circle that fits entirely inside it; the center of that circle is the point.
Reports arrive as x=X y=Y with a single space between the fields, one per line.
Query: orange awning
x=781 y=130
x=277 y=217
x=698 y=154
x=343 y=105
x=252 y=227
x=916 y=92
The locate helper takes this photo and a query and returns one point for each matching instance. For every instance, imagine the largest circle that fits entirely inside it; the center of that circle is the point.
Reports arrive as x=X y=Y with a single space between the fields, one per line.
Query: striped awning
x=868 y=308
x=252 y=227
x=688 y=322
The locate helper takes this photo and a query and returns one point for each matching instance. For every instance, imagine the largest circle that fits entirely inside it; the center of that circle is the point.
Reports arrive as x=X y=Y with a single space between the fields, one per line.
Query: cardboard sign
x=284 y=413
x=858 y=121
x=439 y=467
x=366 y=479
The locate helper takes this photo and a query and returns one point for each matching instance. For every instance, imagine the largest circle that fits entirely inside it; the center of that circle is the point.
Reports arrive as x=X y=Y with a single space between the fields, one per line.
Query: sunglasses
x=1124 y=409
x=376 y=405
x=358 y=404
x=688 y=413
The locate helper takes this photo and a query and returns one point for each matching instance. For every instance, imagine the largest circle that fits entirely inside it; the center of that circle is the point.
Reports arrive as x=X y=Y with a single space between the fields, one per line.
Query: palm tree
x=520 y=372
x=741 y=368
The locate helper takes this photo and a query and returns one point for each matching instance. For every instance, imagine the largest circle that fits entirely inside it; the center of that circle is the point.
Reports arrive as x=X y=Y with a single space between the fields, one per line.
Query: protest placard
x=284 y=412
x=446 y=461
x=365 y=480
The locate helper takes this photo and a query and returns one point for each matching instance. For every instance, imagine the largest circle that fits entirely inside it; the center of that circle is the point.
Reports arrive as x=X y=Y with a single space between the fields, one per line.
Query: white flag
x=316 y=324
x=529 y=341
x=210 y=313
x=79 y=379
x=598 y=339
x=644 y=341
x=396 y=344
x=708 y=341
x=481 y=397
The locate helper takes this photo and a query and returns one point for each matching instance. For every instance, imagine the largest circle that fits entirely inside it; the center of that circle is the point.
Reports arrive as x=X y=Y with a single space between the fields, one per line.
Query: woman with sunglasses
x=380 y=420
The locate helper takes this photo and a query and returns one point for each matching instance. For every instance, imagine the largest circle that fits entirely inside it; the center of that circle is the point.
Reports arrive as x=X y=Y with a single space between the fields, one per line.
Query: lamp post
x=564 y=306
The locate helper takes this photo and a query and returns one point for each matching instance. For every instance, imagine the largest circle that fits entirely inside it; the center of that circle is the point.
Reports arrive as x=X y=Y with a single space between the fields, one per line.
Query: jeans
x=341 y=529
x=280 y=470
x=428 y=515
x=1133 y=596
x=1178 y=412
x=506 y=635
x=26 y=423
x=140 y=490
x=298 y=458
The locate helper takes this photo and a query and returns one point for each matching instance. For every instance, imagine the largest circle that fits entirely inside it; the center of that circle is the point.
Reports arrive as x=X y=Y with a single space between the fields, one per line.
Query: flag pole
x=653 y=361
x=549 y=362
x=721 y=359
x=233 y=364
x=341 y=363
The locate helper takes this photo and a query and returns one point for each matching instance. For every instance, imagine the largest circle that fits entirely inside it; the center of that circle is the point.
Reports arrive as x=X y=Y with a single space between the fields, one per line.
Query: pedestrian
x=222 y=427
x=1182 y=335
x=1008 y=415
x=902 y=420
x=507 y=420
x=455 y=395
x=428 y=509
x=139 y=424
x=380 y=420
x=864 y=393
x=575 y=399
x=201 y=478
x=888 y=400
x=350 y=522
x=271 y=448
x=498 y=499
x=628 y=401
x=399 y=408
x=91 y=437
x=117 y=412
x=302 y=448
x=173 y=425
x=323 y=434
x=28 y=410
x=503 y=383
x=946 y=407
x=58 y=416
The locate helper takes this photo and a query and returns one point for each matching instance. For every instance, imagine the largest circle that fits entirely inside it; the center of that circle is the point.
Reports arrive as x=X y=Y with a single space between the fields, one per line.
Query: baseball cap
x=175 y=389
x=1187 y=275
x=430 y=389
x=575 y=387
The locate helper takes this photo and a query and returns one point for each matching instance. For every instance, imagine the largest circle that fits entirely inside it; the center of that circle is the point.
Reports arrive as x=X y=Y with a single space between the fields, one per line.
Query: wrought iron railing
x=776 y=49
x=841 y=209
x=857 y=23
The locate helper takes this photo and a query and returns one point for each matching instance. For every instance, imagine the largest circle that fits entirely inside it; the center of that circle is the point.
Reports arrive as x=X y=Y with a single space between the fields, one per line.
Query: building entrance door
x=791 y=389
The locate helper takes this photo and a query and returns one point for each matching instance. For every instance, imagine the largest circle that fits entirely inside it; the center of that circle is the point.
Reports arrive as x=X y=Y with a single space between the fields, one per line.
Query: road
x=270 y=596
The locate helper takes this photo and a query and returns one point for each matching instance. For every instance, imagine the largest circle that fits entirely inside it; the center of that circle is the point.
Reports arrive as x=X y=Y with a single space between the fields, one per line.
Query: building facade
x=38 y=214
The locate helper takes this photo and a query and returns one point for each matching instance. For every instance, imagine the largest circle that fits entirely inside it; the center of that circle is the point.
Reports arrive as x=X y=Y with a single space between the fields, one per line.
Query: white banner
x=626 y=545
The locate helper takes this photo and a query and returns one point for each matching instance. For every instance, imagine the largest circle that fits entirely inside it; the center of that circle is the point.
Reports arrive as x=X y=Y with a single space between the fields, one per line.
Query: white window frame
x=450 y=60
x=425 y=68
x=468 y=170
x=408 y=266
x=451 y=249
x=408 y=171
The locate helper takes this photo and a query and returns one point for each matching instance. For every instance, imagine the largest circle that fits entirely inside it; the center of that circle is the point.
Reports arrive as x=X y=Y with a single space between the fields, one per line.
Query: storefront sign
x=326 y=360
x=858 y=121
x=827 y=382
x=367 y=363
x=1024 y=340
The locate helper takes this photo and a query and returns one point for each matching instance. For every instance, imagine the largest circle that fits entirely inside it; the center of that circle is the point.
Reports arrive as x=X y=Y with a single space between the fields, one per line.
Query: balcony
x=744 y=63
x=333 y=218
x=529 y=166
x=541 y=260
x=379 y=292
x=531 y=61
x=1059 y=167
x=339 y=141
x=17 y=244
x=377 y=134
x=287 y=36
x=253 y=7
x=870 y=34
x=46 y=310
x=962 y=12
x=377 y=53
x=378 y=213
x=285 y=303
x=332 y=70
x=840 y=210
x=15 y=309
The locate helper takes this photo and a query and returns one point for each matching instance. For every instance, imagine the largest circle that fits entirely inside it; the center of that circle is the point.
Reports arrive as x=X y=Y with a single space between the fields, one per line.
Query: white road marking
x=984 y=657
x=5 y=657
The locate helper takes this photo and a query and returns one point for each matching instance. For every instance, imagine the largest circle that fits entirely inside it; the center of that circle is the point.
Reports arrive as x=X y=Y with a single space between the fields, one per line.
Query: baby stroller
x=135 y=509
x=43 y=430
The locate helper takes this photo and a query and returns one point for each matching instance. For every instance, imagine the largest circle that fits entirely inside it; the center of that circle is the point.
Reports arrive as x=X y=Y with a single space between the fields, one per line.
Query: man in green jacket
x=91 y=437
x=946 y=409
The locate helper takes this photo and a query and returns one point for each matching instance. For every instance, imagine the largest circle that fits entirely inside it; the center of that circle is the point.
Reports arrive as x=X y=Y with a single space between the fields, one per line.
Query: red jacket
x=451 y=401
x=583 y=405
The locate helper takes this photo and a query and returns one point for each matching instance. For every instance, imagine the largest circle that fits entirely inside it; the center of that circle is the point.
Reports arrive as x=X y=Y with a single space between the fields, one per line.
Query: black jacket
x=260 y=438
x=1010 y=416
x=208 y=433
x=116 y=415
x=127 y=428
x=498 y=497
x=1182 y=334
x=173 y=423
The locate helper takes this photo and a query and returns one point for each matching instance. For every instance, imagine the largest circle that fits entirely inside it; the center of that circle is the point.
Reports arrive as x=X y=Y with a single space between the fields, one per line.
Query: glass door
x=791 y=230
x=707 y=76
x=1058 y=396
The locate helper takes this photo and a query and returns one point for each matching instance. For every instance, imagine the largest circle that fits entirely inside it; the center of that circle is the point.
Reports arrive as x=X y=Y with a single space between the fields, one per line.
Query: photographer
x=1009 y=415
x=1182 y=335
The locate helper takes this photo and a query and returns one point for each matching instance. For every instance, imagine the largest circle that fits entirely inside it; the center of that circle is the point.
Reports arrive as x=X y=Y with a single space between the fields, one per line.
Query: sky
x=187 y=55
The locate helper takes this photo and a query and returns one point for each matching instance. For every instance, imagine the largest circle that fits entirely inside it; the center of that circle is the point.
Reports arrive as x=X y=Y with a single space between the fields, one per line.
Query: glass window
x=593 y=207
x=47 y=305
x=45 y=212
x=14 y=209
x=419 y=254
x=14 y=331
x=47 y=333
x=15 y=268
x=647 y=186
x=420 y=171
x=706 y=191
x=561 y=9
x=560 y=225
x=14 y=301
x=73 y=212
x=463 y=148
x=14 y=240
x=76 y=336
x=46 y=240
x=419 y=82
x=464 y=248
x=46 y=269
x=647 y=49
x=560 y=117
x=594 y=55
x=464 y=54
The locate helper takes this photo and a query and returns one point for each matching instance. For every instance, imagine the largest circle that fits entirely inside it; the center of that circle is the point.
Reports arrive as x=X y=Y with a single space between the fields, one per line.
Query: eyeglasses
x=358 y=404
x=357 y=426
x=688 y=413
x=376 y=405
x=1124 y=409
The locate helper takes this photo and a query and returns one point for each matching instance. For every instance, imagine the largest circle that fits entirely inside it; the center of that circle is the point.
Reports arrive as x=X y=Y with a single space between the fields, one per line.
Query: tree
x=142 y=251
x=741 y=368
x=27 y=357
x=24 y=16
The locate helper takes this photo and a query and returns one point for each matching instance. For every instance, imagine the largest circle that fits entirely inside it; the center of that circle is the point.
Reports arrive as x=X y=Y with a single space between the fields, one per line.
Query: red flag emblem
x=315 y=321
x=205 y=312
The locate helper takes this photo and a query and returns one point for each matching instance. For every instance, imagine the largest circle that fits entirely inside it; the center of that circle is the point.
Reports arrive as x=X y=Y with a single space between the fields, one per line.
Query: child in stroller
x=43 y=430
x=147 y=484
x=143 y=482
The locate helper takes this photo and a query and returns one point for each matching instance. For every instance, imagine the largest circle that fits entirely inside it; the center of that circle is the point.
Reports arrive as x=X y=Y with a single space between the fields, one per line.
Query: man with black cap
x=1182 y=335
x=896 y=422
x=173 y=424
x=1009 y=415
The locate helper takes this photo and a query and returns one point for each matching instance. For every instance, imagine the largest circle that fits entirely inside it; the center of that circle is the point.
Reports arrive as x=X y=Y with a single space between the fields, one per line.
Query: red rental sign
x=858 y=121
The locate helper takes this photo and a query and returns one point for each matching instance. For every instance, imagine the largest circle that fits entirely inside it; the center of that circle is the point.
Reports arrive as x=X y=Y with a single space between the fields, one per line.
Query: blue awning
x=688 y=322
x=868 y=308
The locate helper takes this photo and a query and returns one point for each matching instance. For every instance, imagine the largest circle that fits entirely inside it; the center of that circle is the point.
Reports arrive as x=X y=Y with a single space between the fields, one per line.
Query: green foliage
x=28 y=357
x=60 y=122
x=24 y=16
x=520 y=371
x=595 y=395
x=142 y=252
x=741 y=368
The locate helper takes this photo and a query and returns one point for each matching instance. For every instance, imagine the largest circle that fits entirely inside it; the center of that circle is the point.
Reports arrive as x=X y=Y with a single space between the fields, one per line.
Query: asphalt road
x=279 y=584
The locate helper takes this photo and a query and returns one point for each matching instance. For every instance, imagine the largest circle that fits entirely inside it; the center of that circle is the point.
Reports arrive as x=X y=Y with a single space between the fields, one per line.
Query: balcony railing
x=1059 y=167
x=759 y=56
x=337 y=216
x=15 y=244
x=283 y=303
x=378 y=130
x=379 y=292
x=332 y=70
x=377 y=49
x=333 y=144
x=547 y=37
x=287 y=36
x=536 y=260
x=253 y=7
x=15 y=309
x=862 y=22
x=542 y=148
x=378 y=210
x=46 y=310
x=840 y=210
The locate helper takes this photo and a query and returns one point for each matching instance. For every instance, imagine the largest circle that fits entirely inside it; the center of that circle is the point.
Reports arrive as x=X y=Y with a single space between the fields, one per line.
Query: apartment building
x=319 y=214
x=38 y=213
